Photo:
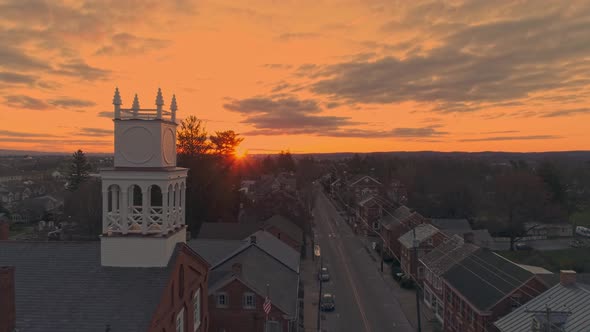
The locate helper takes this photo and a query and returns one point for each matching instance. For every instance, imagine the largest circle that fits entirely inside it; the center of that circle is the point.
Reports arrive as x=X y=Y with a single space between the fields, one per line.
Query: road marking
x=352 y=284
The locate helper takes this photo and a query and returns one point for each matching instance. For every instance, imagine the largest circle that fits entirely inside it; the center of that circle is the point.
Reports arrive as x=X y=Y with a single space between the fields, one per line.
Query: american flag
x=266 y=305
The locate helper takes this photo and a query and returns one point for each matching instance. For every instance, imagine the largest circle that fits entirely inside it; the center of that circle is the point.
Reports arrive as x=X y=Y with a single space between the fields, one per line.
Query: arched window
x=137 y=196
x=155 y=195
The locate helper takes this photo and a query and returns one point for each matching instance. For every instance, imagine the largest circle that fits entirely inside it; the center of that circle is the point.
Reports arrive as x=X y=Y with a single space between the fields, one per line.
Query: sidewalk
x=309 y=281
x=405 y=297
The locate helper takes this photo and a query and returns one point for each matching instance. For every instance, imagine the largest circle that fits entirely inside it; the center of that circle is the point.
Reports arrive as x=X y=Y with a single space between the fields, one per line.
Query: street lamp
x=317 y=252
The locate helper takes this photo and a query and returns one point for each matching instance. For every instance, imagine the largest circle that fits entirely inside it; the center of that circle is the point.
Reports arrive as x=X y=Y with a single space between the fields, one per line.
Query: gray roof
x=574 y=299
x=451 y=224
x=216 y=252
x=226 y=230
x=391 y=220
x=259 y=269
x=358 y=178
x=287 y=226
x=213 y=250
x=447 y=254
x=481 y=237
x=422 y=231
x=61 y=286
x=485 y=277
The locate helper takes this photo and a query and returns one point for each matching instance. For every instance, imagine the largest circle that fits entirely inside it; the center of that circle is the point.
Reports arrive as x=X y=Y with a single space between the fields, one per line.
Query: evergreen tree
x=79 y=170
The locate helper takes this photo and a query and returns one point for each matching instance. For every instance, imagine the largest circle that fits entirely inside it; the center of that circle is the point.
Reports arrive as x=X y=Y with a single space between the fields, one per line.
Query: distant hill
x=17 y=153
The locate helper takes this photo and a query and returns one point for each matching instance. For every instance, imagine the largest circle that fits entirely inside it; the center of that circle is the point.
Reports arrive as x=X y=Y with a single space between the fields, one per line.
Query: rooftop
x=451 y=224
x=573 y=299
x=51 y=278
x=449 y=253
x=285 y=225
x=422 y=232
x=484 y=278
x=226 y=230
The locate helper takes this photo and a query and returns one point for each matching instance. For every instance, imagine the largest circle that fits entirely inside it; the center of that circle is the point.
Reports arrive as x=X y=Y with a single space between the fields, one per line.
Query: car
x=324 y=275
x=327 y=303
x=577 y=244
x=522 y=246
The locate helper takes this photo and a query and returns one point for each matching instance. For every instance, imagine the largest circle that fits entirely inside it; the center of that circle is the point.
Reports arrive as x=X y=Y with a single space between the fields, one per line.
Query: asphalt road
x=364 y=302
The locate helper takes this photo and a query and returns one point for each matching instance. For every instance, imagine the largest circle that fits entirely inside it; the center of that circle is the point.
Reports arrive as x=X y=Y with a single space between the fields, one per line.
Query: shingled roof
x=61 y=286
x=259 y=269
x=226 y=230
x=447 y=254
x=419 y=233
x=484 y=278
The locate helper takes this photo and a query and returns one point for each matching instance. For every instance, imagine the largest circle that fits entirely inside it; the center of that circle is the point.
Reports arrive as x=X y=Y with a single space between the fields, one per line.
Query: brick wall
x=234 y=317
x=188 y=275
x=7 y=299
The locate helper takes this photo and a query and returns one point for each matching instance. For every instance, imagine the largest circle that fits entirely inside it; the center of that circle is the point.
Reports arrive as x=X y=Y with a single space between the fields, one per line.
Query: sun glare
x=241 y=153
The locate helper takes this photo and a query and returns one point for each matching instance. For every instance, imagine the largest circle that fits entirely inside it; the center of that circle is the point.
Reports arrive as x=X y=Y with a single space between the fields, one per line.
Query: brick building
x=397 y=224
x=484 y=287
x=423 y=239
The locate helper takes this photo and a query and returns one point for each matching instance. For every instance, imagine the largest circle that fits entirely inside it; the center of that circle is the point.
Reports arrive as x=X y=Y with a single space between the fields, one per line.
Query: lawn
x=576 y=259
x=581 y=218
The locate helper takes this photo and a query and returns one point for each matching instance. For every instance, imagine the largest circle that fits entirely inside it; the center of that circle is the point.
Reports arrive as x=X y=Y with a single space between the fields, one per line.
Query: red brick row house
x=415 y=244
x=243 y=273
x=396 y=224
x=482 y=287
x=436 y=263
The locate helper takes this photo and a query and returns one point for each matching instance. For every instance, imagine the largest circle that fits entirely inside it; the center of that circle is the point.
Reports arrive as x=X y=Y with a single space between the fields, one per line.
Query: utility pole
x=415 y=262
x=320 y=297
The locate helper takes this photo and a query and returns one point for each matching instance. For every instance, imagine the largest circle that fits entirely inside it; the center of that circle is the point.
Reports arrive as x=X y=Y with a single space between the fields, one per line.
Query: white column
x=178 y=198
x=124 y=208
x=183 y=206
x=165 y=221
x=105 y=210
x=144 y=209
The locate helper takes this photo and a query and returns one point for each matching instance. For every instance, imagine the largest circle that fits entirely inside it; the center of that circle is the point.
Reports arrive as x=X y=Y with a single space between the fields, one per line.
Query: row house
x=483 y=287
x=363 y=185
x=243 y=274
x=436 y=263
x=396 y=224
x=369 y=212
x=415 y=244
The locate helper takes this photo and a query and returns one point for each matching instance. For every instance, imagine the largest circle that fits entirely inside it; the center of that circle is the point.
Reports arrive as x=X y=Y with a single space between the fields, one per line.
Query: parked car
x=327 y=303
x=577 y=244
x=324 y=275
x=522 y=246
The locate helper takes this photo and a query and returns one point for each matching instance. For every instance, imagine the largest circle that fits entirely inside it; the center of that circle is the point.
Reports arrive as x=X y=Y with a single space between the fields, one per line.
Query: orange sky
x=309 y=76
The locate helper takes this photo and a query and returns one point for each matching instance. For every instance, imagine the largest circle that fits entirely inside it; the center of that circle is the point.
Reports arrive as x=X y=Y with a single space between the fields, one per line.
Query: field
x=581 y=218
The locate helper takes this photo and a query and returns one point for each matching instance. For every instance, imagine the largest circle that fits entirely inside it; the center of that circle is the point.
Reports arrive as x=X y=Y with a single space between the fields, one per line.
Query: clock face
x=138 y=145
x=169 y=146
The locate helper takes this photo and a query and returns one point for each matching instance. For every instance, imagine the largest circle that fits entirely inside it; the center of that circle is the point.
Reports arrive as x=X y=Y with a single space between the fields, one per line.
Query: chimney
x=469 y=237
x=253 y=239
x=237 y=268
x=7 y=299
x=567 y=277
x=4 y=230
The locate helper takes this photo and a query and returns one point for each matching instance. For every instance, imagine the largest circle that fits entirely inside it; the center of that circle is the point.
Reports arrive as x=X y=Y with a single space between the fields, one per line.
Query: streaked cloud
x=511 y=138
x=25 y=102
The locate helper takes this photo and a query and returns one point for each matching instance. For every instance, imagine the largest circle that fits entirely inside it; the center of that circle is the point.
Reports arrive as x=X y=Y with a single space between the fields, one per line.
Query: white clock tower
x=143 y=208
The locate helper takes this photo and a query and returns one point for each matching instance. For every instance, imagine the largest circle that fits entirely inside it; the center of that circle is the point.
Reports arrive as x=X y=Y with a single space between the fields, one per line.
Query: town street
x=364 y=300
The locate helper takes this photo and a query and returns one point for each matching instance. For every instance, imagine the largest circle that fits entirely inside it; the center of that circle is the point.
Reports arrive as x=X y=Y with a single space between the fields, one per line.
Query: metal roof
x=422 y=231
x=574 y=299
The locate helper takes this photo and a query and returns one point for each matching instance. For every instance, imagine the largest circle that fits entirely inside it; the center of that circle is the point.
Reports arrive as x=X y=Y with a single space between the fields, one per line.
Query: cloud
x=298 y=35
x=82 y=70
x=566 y=112
x=66 y=102
x=511 y=138
x=16 y=78
x=277 y=66
x=106 y=114
x=96 y=132
x=26 y=102
x=15 y=59
x=10 y=133
x=468 y=65
x=129 y=44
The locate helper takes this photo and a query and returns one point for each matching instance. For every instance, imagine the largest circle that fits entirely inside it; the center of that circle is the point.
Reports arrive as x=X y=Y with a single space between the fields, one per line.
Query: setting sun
x=241 y=153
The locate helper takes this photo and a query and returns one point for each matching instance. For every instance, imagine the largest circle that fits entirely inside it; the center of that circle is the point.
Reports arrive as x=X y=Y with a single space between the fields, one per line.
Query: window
x=197 y=309
x=249 y=301
x=222 y=300
x=180 y=321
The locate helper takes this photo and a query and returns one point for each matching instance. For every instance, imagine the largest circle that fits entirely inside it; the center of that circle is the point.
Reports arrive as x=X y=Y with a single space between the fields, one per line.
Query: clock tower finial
x=117 y=102
x=173 y=108
x=159 y=103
